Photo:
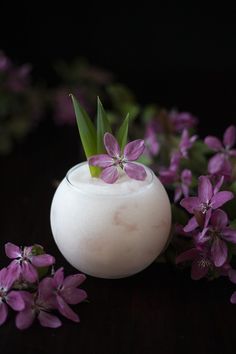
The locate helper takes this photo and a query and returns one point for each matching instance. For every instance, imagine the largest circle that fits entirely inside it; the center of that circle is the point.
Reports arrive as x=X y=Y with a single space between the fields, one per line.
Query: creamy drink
x=110 y=230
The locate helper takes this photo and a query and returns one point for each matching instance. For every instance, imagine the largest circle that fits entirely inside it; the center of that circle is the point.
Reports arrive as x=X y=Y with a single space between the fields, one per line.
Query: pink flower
x=8 y=296
x=182 y=120
x=186 y=142
x=63 y=110
x=151 y=142
x=217 y=234
x=170 y=175
x=5 y=62
x=25 y=263
x=183 y=186
x=37 y=305
x=19 y=78
x=201 y=263
x=114 y=159
x=67 y=292
x=220 y=163
x=208 y=199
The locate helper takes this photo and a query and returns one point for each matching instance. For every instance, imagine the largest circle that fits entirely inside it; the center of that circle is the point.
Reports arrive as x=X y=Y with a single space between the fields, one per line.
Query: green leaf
x=87 y=133
x=122 y=134
x=103 y=126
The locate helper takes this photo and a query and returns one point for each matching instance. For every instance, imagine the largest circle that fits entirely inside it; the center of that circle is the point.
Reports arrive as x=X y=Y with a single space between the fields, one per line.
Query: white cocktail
x=110 y=230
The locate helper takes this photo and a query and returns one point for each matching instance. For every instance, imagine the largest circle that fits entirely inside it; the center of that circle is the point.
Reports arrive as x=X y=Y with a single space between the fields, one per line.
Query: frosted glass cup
x=110 y=230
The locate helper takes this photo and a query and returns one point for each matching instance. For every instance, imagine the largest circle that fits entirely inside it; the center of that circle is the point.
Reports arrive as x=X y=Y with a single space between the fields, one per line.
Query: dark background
x=174 y=53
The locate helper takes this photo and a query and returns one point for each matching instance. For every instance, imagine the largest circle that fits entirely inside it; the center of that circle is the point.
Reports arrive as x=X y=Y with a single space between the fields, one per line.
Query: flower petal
x=213 y=143
x=191 y=225
x=221 y=198
x=168 y=176
x=134 y=149
x=232 y=153
x=43 y=260
x=178 y=194
x=48 y=320
x=28 y=272
x=25 y=318
x=46 y=289
x=218 y=185
x=15 y=268
x=186 y=177
x=15 y=300
x=187 y=255
x=229 y=235
x=233 y=298
x=232 y=275
x=191 y=204
x=12 y=251
x=73 y=296
x=74 y=280
x=199 y=269
x=58 y=277
x=216 y=163
x=230 y=136
x=66 y=311
x=204 y=189
x=219 y=252
x=135 y=171
x=102 y=160
x=3 y=313
x=7 y=278
x=219 y=219
x=110 y=174
x=111 y=145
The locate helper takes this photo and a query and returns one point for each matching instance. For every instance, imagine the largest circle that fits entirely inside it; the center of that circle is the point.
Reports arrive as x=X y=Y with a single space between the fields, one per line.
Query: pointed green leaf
x=122 y=134
x=103 y=126
x=87 y=133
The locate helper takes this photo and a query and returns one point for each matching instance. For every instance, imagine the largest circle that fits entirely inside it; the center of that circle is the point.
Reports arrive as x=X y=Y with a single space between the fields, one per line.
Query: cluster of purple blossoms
x=182 y=120
x=173 y=174
x=22 y=289
x=15 y=79
x=210 y=231
x=220 y=163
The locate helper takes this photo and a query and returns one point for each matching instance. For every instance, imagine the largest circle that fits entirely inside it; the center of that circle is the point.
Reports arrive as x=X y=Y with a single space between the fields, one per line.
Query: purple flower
x=114 y=159
x=220 y=163
x=218 y=233
x=19 y=78
x=186 y=142
x=63 y=110
x=8 y=296
x=232 y=277
x=38 y=305
x=25 y=262
x=150 y=139
x=183 y=186
x=5 y=62
x=170 y=175
x=208 y=199
x=67 y=292
x=182 y=120
x=201 y=263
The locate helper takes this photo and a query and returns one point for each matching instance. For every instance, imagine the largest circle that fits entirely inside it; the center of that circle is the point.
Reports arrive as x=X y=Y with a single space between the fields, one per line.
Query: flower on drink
x=105 y=151
x=114 y=159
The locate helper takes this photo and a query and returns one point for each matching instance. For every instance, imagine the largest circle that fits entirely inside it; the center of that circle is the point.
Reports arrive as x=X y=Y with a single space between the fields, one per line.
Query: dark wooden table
x=161 y=310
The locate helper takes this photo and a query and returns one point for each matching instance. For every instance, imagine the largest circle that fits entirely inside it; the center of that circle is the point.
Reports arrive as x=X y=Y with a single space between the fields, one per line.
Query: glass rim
x=106 y=186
